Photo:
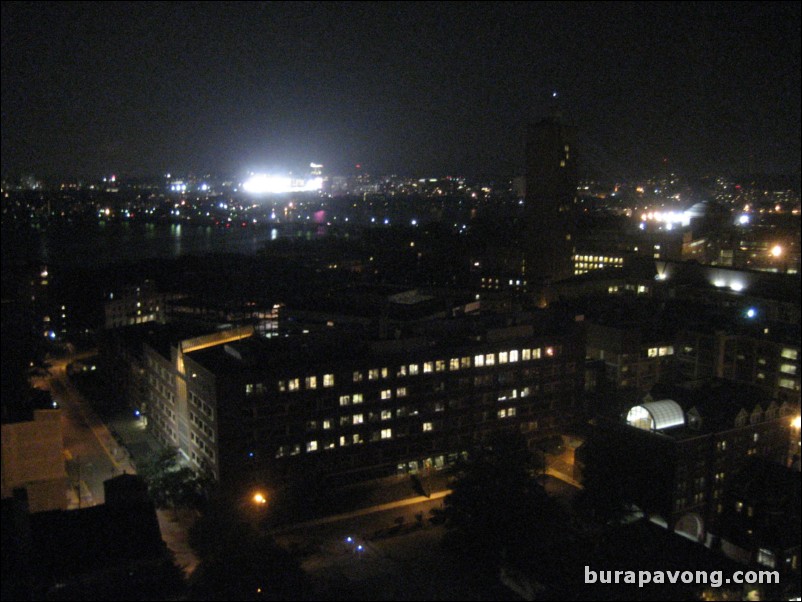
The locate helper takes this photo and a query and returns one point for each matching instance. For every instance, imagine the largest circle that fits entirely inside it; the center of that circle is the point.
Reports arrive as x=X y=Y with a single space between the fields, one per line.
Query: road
x=91 y=453
x=93 y=456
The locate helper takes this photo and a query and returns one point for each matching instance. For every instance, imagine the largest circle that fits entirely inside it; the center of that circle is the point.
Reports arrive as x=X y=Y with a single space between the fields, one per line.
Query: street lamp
x=776 y=251
x=259 y=498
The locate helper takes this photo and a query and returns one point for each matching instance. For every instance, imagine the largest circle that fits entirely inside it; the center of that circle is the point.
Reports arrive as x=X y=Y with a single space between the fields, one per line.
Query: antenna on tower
x=555 y=105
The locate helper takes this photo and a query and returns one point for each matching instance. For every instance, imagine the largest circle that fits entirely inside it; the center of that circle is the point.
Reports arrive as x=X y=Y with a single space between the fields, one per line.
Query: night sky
x=419 y=89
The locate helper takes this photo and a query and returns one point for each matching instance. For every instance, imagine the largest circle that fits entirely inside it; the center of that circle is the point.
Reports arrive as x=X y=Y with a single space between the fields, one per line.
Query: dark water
x=99 y=245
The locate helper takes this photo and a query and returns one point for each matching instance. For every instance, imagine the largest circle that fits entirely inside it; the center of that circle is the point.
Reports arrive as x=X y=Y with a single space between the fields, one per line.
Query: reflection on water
x=112 y=243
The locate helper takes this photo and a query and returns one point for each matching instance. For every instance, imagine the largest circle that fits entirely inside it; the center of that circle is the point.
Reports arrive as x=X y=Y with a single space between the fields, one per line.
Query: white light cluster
x=668 y=217
x=271 y=184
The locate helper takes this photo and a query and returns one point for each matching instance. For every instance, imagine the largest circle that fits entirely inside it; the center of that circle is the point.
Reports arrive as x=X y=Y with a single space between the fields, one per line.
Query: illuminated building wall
x=585 y=262
x=630 y=361
x=137 y=305
x=33 y=458
x=774 y=366
x=250 y=408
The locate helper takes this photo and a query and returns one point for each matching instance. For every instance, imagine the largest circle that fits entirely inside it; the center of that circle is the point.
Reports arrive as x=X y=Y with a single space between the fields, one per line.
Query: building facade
x=239 y=405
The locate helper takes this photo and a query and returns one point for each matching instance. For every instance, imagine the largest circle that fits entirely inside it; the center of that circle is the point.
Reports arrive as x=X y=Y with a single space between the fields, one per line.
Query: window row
x=452 y=365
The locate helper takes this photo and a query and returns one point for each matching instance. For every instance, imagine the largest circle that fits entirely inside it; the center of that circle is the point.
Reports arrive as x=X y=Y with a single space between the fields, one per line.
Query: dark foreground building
x=113 y=551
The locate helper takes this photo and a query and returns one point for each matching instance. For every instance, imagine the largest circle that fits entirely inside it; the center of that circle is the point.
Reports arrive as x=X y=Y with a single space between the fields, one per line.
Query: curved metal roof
x=665 y=413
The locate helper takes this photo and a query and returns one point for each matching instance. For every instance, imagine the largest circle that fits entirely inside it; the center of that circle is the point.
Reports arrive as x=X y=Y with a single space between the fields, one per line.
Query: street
x=91 y=454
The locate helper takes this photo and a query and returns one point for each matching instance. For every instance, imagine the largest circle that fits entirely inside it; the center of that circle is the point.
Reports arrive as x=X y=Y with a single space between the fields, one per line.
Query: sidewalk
x=129 y=432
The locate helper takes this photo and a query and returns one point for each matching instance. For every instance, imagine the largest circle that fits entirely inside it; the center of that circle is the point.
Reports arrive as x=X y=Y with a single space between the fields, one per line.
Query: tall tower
x=551 y=179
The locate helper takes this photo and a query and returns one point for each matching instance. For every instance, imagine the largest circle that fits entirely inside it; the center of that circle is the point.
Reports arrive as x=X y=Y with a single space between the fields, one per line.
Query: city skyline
x=140 y=88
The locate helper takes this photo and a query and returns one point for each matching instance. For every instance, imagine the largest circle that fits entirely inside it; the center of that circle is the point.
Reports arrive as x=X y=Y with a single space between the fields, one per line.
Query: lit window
x=513 y=356
x=358 y=398
x=536 y=354
x=327 y=424
x=465 y=362
x=789 y=354
x=503 y=357
x=387 y=414
x=502 y=413
x=428 y=367
x=311 y=446
x=311 y=382
x=294 y=384
x=345 y=400
x=439 y=365
x=766 y=558
x=356 y=438
x=328 y=380
x=373 y=374
x=357 y=377
x=413 y=369
x=387 y=394
x=490 y=359
x=282 y=385
x=402 y=371
x=786 y=383
x=427 y=426
x=385 y=372
x=788 y=369
x=652 y=352
x=526 y=355
x=401 y=392
x=453 y=363
x=358 y=418
x=479 y=361
x=387 y=433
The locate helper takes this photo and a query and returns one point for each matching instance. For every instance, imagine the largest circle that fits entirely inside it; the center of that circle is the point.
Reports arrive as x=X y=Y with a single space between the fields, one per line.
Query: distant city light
x=776 y=251
x=737 y=286
x=743 y=219
x=751 y=312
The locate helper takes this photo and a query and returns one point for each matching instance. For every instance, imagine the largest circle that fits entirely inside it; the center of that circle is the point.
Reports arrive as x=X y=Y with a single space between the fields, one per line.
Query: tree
x=237 y=562
x=497 y=510
x=604 y=497
x=171 y=484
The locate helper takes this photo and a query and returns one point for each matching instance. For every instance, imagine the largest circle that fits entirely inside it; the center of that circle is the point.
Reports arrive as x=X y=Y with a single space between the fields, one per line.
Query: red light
x=359 y=166
x=737 y=186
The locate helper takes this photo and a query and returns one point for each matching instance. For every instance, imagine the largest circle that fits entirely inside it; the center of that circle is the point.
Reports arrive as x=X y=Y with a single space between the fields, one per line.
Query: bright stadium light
x=269 y=184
